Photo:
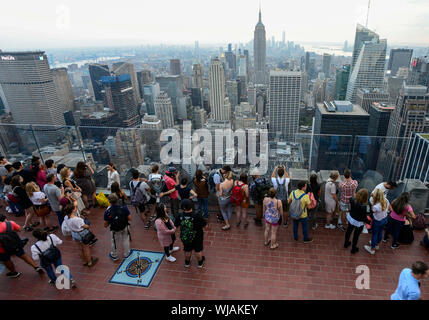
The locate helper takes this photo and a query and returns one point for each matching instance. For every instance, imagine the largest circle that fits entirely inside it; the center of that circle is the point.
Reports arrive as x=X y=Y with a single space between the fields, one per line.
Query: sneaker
x=52 y=282
x=93 y=262
x=332 y=227
x=112 y=257
x=39 y=270
x=395 y=246
x=369 y=249
x=147 y=226
x=376 y=247
x=327 y=226
x=73 y=283
x=175 y=249
x=309 y=240
x=315 y=226
x=201 y=263
x=384 y=240
x=187 y=263
x=286 y=224
x=170 y=258
x=13 y=274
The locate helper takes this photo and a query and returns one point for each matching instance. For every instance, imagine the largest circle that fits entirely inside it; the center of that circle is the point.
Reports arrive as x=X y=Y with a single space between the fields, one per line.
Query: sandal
x=93 y=262
x=274 y=246
x=267 y=243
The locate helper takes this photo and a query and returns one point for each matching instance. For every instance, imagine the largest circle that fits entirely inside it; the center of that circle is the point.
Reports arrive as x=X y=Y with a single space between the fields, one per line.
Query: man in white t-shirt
x=280 y=180
x=385 y=187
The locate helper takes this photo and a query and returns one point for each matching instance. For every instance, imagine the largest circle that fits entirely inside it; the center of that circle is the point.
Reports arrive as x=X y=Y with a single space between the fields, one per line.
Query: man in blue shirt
x=409 y=282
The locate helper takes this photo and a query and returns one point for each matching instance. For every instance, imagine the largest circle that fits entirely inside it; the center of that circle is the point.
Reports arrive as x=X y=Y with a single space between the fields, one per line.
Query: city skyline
x=74 y=24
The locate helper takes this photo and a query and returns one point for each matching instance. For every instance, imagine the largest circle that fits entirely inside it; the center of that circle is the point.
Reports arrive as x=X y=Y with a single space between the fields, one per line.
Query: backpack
x=157 y=185
x=10 y=241
x=281 y=190
x=138 y=196
x=419 y=223
x=259 y=190
x=50 y=255
x=272 y=213
x=313 y=201
x=212 y=185
x=295 y=209
x=237 y=196
x=187 y=232
x=117 y=219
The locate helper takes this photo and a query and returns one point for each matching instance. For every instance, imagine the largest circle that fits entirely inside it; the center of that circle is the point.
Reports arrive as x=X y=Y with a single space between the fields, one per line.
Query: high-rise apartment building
x=121 y=68
x=119 y=97
x=217 y=91
x=199 y=118
x=64 y=88
x=96 y=71
x=260 y=52
x=129 y=148
x=368 y=64
x=175 y=67
x=143 y=77
x=151 y=132
x=399 y=58
x=233 y=92
x=164 y=110
x=284 y=102
x=173 y=86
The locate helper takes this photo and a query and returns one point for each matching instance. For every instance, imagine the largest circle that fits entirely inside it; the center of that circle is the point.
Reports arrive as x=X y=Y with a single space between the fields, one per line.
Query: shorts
x=5 y=257
x=344 y=207
x=196 y=245
x=273 y=224
x=78 y=236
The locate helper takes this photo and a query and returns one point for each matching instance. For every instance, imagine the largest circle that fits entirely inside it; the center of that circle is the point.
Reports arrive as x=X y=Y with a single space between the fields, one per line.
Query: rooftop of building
x=332 y=108
x=383 y=106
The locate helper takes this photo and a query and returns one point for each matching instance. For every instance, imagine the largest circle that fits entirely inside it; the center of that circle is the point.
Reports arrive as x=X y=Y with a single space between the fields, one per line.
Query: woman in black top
x=314 y=188
x=357 y=217
x=24 y=202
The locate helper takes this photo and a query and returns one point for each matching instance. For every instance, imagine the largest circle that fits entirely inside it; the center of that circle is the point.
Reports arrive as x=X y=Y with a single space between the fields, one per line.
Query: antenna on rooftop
x=367 y=16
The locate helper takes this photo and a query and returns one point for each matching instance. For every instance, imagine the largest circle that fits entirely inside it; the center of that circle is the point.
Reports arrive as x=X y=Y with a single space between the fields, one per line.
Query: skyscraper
x=173 y=86
x=217 y=91
x=399 y=58
x=284 y=101
x=120 y=68
x=326 y=64
x=420 y=71
x=260 y=51
x=341 y=81
x=96 y=71
x=29 y=89
x=143 y=77
x=119 y=97
x=164 y=110
x=369 y=59
x=64 y=88
x=175 y=67
x=197 y=77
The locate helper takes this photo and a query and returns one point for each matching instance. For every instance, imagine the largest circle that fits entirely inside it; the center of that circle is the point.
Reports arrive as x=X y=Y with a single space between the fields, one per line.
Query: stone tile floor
x=238 y=266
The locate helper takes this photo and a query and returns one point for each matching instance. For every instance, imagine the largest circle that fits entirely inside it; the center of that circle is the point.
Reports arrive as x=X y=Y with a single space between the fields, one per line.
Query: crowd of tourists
x=176 y=205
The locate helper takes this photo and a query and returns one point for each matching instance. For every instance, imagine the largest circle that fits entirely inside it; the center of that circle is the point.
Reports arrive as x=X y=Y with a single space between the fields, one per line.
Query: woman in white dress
x=112 y=175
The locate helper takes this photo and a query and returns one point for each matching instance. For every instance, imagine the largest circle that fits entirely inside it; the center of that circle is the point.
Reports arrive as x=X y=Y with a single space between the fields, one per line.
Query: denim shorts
x=79 y=235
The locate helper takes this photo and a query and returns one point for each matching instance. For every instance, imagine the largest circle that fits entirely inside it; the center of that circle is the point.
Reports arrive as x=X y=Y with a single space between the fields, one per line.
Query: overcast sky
x=71 y=23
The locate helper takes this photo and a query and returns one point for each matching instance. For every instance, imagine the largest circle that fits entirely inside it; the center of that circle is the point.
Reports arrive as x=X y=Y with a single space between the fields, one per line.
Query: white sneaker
x=369 y=249
x=175 y=249
x=332 y=226
x=327 y=226
x=170 y=258
x=376 y=247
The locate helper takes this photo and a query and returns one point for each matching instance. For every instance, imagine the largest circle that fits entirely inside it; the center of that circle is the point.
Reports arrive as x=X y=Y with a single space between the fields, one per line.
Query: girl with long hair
x=166 y=231
x=380 y=211
x=24 y=202
x=39 y=200
x=273 y=210
x=116 y=189
x=241 y=209
x=225 y=192
x=83 y=177
x=202 y=191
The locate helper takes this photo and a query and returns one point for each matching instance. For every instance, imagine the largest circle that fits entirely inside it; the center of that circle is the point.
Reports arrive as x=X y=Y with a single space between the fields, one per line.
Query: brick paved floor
x=238 y=266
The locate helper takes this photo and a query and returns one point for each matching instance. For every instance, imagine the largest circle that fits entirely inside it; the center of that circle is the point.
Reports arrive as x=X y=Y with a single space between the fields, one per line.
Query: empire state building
x=260 y=51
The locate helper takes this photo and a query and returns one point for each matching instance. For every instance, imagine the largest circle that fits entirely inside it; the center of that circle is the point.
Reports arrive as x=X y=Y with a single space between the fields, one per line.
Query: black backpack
x=10 y=241
x=117 y=219
x=50 y=255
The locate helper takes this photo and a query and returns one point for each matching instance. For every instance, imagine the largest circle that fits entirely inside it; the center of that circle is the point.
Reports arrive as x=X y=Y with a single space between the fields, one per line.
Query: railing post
x=37 y=144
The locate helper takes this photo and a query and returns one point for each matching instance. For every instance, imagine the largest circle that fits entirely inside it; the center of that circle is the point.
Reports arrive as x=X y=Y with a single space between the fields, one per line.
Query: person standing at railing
x=83 y=177
x=314 y=188
x=348 y=190
x=112 y=175
x=39 y=174
x=171 y=176
x=331 y=199
x=225 y=192
x=202 y=190
x=24 y=202
x=280 y=180
x=50 y=167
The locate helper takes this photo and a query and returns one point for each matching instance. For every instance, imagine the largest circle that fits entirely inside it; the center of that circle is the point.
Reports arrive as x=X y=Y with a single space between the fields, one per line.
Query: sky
x=78 y=23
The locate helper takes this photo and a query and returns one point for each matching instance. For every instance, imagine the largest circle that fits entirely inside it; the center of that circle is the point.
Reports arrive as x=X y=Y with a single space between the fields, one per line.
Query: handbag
x=88 y=237
x=42 y=210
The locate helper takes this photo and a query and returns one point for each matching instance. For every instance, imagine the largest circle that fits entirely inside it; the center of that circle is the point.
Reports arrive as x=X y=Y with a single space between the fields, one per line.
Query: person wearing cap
x=171 y=178
x=198 y=222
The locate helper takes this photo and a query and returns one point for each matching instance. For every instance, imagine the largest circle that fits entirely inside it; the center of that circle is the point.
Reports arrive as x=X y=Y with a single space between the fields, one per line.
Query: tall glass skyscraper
x=369 y=59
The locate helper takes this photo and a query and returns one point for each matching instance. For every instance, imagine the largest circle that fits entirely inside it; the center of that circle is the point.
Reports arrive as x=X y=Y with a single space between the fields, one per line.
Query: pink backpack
x=313 y=201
